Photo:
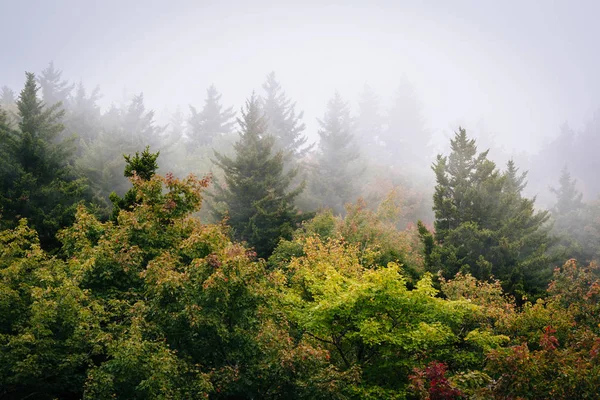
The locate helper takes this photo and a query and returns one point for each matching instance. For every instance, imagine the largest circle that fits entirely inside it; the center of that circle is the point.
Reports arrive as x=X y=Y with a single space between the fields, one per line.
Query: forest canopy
x=224 y=256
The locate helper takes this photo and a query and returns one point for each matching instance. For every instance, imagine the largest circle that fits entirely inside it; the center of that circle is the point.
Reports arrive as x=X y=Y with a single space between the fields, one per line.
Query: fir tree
x=283 y=123
x=83 y=118
x=7 y=96
x=54 y=89
x=46 y=190
x=514 y=182
x=213 y=121
x=483 y=224
x=124 y=131
x=568 y=198
x=369 y=124
x=406 y=138
x=144 y=166
x=258 y=203
x=336 y=166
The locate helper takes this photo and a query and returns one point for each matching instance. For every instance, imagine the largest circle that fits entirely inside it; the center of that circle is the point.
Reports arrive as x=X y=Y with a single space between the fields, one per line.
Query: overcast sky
x=519 y=68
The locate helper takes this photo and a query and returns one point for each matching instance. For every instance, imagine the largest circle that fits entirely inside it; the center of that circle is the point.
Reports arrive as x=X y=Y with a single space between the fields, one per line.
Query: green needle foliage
x=42 y=184
x=483 y=225
x=256 y=198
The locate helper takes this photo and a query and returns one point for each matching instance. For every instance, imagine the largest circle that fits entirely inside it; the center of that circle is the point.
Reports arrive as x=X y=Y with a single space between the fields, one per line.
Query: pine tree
x=369 y=124
x=213 y=121
x=568 y=198
x=483 y=224
x=283 y=123
x=124 y=131
x=7 y=96
x=257 y=200
x=514 y=182
x=144 y=166
x=336 y=167
x=83 y=117
x=46 y=189
x=54 y=89
x=406 y=138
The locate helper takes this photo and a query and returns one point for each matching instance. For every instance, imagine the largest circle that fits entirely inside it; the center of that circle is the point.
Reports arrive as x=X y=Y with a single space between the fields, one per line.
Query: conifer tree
x=336 y=167
x=7 y=96
x=46 y=189
x=83 y=118
x=143 y=165
x=483 y=224
x=213 y=121
x=283 y=123
x=369 y=124
x=124 y=131
x=257 y=199
x=568 y=198
x=54 y=88
x=406 y=138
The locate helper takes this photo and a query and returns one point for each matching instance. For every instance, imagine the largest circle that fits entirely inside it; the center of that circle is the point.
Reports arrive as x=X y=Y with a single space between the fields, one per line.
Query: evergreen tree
x=483 y=224
x=83 y=118
x=568 y=198
x=7 y=96
x=369 y=124
x=213 y=121
x=406 y=138
x=124 y=131
x=283 y=123
x=514 y=182
x=46 y=189
x=257 y=199
x=142 y=165
x=54 y=89
x=336 y=166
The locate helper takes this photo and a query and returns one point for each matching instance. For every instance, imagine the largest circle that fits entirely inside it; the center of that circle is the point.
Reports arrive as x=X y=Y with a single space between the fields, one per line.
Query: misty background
x=512 y=73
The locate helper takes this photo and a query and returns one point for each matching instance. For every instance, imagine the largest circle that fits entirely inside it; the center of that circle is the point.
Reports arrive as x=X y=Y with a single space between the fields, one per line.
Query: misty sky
x=518 y=68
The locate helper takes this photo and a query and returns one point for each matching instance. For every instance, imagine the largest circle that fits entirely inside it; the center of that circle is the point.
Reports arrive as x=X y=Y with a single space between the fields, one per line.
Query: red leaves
x=431 y=382
x=549 y=342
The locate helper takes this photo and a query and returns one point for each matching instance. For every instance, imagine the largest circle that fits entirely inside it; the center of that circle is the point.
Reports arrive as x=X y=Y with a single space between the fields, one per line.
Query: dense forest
x=224 y=255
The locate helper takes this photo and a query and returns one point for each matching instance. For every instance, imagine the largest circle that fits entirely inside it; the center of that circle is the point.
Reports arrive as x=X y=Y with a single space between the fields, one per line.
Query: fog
x=510 y=72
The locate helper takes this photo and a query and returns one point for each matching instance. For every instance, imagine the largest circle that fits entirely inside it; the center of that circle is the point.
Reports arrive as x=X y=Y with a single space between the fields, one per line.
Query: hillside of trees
x=225 y=256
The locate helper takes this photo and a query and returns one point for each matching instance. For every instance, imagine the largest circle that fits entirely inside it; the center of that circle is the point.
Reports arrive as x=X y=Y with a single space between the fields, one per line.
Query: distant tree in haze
x=369 y=124
x=54 y=88
x=125 y=130
x=576 y=223
x=406 y=137
x=568 y=198
x=483 y=224
x=257 y=199
x=7 y=96
x=44 y=187
x=336 y=168
x=213 y=121
x=83 y=115
x=284 y=124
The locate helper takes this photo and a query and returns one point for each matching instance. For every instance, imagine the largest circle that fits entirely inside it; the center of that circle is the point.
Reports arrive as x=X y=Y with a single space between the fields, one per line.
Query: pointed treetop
x=568 y=198
x=54 y=89
x=283 y=122
x=514 y=182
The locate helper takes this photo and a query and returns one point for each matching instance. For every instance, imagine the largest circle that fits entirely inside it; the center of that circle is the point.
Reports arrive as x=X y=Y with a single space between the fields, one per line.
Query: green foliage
x=367 y=319
x=143 y=166
x=283 y=123
x=257 y=201
x=210 y=123
x=336 y=169
x=374 y=234
x=39 y=181
x=483 y=225
x=50 y=329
